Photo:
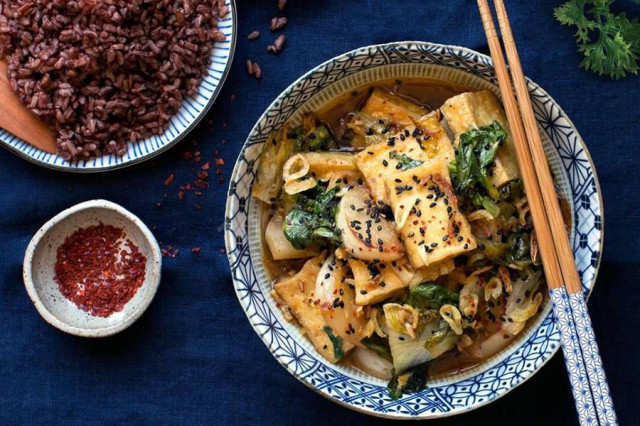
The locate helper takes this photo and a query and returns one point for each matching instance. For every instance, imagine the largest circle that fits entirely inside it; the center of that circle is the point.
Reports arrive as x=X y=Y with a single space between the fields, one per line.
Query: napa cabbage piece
x=365 y=231
x=336 y=300
x=277 y=149
x=432 y=336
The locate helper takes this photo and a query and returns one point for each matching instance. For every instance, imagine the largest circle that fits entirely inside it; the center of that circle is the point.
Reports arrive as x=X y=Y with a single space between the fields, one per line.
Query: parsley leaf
x=610 y=42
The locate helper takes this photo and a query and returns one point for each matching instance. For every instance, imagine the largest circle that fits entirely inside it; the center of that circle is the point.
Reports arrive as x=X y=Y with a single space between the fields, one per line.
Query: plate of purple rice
x=117 y=81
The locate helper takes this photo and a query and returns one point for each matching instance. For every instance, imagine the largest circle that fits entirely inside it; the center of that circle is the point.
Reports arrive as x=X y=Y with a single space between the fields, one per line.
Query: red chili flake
x=206 y=166
x=169 y=251
x=219 y=171
x=198 y=193
x=219 y=162
x=168 y=181
x=196 y=250
x=158 y=204
x=99 y=269
x=181 y=195
x=187 y=155
x=198 y=207
x=188 y=187
x=233 y=97
x=223 y=251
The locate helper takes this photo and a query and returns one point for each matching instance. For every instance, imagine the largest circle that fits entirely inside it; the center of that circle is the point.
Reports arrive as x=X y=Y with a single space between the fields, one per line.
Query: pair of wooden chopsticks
x=586 y=373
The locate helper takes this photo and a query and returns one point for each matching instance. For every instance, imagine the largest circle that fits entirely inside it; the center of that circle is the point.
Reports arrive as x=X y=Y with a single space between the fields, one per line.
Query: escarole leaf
x=304 y=229
x=476 y=151
x=519 y=250
x=414 y=380
x=431 y=296
x=312 y=136
x=610 y=42
x=312 y=220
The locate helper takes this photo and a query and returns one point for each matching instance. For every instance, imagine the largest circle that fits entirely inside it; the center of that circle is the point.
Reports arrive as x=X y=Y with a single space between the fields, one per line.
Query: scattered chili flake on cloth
x=99 y=269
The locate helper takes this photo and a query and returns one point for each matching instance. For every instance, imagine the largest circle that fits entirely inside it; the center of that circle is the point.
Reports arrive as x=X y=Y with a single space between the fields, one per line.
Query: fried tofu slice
x=375 y=282
x=427 y=216
x=424 y=144
x=477 y=109
x=382 y=104
x=297 y=293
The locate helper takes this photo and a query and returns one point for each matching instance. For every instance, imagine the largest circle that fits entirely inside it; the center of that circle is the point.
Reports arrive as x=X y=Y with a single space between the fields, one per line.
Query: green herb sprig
x=610 y=42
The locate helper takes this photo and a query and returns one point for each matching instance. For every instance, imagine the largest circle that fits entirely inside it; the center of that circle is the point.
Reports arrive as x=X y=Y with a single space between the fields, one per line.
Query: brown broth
x=428 y=93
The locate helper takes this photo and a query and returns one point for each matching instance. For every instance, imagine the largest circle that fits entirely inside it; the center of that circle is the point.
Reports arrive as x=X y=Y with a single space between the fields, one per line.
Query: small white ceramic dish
x=39 y=269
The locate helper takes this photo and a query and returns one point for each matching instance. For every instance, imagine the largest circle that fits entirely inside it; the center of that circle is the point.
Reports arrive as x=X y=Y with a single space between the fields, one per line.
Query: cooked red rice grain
x=256 y=71
x=277 y=23
x=279 y=43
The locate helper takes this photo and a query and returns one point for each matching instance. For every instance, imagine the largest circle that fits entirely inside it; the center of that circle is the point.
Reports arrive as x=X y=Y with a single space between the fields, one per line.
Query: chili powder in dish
x=99 y=269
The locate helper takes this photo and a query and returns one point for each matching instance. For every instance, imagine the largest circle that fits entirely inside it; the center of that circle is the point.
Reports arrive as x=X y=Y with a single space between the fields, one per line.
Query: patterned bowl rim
x=35 y=153
x=408 y=44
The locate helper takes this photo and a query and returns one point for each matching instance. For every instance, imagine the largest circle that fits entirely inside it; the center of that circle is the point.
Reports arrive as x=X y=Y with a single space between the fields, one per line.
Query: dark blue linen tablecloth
x=193 y=357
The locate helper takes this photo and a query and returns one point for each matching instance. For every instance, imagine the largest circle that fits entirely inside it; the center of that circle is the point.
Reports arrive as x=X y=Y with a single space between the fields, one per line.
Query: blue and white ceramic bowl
x=471 y=389
x=192 y=111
